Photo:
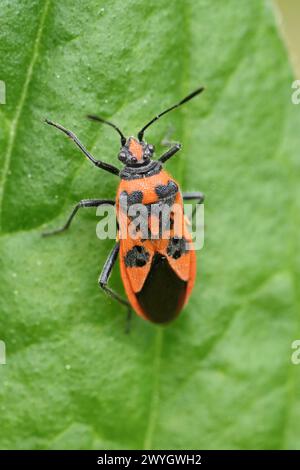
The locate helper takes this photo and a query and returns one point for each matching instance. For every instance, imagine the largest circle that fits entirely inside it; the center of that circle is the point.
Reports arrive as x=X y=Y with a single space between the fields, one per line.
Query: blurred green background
x=221 y=375
x=288 y=19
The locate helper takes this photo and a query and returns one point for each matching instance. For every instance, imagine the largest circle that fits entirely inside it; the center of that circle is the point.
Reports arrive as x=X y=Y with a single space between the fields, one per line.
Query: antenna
x=99 y=119
x=187 y=98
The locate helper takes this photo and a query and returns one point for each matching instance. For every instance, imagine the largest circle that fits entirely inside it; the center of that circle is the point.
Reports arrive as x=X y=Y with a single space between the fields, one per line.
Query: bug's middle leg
x=104 y=278
x=195 y=196
x=83 y=203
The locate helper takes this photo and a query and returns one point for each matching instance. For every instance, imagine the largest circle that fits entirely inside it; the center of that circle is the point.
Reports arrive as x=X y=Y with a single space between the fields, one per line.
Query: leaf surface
x=220 y=376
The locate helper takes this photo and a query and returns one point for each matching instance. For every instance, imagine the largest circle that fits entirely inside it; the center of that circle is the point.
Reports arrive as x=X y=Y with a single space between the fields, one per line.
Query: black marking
x=171 y=220
x=137 y=257
x=165 y=191
x=135 y=197
x=139 y=219
x=133 y=173
x=127 y=200
x=177 y=247
x=163 y=293
x=162 y=211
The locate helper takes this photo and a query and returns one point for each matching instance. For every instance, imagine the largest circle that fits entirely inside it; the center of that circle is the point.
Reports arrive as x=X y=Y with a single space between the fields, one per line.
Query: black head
x=135 y=152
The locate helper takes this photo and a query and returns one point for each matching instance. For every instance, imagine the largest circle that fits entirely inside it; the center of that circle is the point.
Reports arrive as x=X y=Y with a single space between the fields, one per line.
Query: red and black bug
x=158 y=273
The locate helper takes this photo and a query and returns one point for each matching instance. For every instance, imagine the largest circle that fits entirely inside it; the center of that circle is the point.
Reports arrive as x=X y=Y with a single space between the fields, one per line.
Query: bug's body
x=157 y=261
x=158 y=274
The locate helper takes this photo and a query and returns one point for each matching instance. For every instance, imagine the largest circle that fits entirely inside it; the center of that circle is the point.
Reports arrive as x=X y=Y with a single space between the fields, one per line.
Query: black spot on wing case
x=162 y=295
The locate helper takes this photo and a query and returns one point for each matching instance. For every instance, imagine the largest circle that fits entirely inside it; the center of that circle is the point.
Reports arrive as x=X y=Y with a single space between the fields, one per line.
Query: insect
x=158 y=274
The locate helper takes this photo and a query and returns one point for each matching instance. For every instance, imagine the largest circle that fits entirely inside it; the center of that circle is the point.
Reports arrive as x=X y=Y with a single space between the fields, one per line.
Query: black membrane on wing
x=162 y=295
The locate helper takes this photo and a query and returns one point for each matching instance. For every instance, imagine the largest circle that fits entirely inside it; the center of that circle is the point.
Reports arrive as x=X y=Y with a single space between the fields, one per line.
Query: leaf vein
x=15 y=122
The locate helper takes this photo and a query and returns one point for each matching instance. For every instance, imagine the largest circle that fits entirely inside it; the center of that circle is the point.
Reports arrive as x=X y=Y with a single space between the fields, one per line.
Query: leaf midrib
x=19 y=108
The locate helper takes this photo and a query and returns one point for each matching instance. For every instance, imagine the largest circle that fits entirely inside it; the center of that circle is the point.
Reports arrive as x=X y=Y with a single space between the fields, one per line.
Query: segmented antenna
x=104 y=121
x=187 y=98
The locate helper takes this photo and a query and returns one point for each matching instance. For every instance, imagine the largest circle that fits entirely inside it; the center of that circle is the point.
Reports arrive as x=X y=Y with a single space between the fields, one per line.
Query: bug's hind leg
x=104 y=278
x=83 y=203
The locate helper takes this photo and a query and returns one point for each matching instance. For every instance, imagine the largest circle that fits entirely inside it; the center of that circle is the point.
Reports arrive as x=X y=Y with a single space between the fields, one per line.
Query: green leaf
x=221 y=375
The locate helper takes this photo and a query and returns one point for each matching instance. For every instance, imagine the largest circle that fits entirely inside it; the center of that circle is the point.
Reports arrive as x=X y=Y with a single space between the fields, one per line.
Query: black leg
x=83 y=203
x=104 y=277
x=170 y=153
x=98 y=163
x=196 y=196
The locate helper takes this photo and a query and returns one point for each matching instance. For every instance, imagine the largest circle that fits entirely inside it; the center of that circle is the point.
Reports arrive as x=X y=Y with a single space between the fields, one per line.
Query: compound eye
x=122 y=156
x=151 y=148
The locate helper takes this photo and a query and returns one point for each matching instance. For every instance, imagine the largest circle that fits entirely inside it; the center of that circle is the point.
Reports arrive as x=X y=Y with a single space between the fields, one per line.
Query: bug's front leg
x=72 y=136
x=83 y=203
x=103 y=281
x=167 y=155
